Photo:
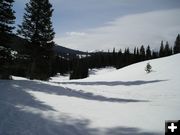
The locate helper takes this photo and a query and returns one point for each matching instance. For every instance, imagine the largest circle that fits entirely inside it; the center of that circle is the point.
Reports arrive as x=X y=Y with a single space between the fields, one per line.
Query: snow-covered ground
x=109 y=102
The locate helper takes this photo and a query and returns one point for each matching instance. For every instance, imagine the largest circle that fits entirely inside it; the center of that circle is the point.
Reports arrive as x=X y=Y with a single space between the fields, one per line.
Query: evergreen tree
x=120 y=52
x=114 y=57
x=142 y=53
x=80 y=69
x=5 y=61
x=167 y=50
x=161 y=51
x=119 y=59
x=136 y=55
x=148 y=53
x=37 y=29
x=148 y=68
x=6 y=16
x=177 y=45
x=7 y=19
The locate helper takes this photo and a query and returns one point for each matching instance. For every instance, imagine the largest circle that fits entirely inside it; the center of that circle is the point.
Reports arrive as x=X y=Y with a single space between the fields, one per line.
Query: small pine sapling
x=148 y=68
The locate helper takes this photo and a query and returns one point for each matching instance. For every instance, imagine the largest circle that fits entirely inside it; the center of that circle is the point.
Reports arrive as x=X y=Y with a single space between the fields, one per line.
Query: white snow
x=18 y=78
x=127 y=101
x=59 y=78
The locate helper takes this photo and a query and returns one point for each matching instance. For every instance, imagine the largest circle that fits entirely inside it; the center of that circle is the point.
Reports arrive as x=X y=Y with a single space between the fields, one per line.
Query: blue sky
x=87 y=24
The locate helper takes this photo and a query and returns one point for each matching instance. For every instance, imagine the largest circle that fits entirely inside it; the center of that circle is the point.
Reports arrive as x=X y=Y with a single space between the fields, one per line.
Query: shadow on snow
x=20 y=88
x=17 y=122
x=14 y=121
x=114 y=83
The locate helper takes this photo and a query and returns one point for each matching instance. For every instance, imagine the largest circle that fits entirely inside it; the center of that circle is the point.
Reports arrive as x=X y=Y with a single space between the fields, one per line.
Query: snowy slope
x=113 y=102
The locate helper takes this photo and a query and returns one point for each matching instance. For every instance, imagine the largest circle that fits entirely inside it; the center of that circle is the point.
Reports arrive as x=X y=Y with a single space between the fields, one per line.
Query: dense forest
x=34 y=56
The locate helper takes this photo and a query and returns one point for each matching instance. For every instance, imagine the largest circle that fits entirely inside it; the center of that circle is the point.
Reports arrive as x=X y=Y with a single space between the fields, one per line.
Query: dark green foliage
x=6 y=26
x=6 y=16
x=148 y=68
x=20 y=65
x=5 y=62
x=167 y=50
x=148 y=53
x=161 y=50
x=137 y=51
x=37 y=25
x=80 y=69
x=40 y=68
x=142 y=53
x=177 y=45
x=119 y=59
x=155 y=55
x=127 y=57
x=37 y=29
x=61 y=65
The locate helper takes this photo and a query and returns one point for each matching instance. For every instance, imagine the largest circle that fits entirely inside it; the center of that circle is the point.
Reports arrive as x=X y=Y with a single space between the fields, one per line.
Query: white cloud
x=75 y=33
x=128 y=31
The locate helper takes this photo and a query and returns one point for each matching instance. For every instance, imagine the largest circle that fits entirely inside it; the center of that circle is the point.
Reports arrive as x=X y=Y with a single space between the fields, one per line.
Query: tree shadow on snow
x=18 y=122
x=13 y=93
x=25 y=85
x=114 y=83
x=15 y=121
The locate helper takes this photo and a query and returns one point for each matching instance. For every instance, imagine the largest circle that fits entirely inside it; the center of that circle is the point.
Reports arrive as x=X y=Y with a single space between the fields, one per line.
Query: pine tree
x=119 y=59
x=136 y=55
x=167 y=50
x=142 y=53
x=161 y=51
x=177 y=45
x=80 y=69
x=148 y=68
x=37 y=29
x=114 y=57
x=7 y=19
x=6 y=16
x=148 y=53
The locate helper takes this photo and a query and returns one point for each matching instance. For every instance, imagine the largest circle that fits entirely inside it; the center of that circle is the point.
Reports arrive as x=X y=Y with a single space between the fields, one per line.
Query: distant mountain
x=19 y=44
x=63 y=50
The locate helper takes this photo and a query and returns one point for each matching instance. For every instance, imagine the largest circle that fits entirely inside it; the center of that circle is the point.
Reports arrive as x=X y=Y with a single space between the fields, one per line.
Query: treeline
x=36 y=59
x=121 y=59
